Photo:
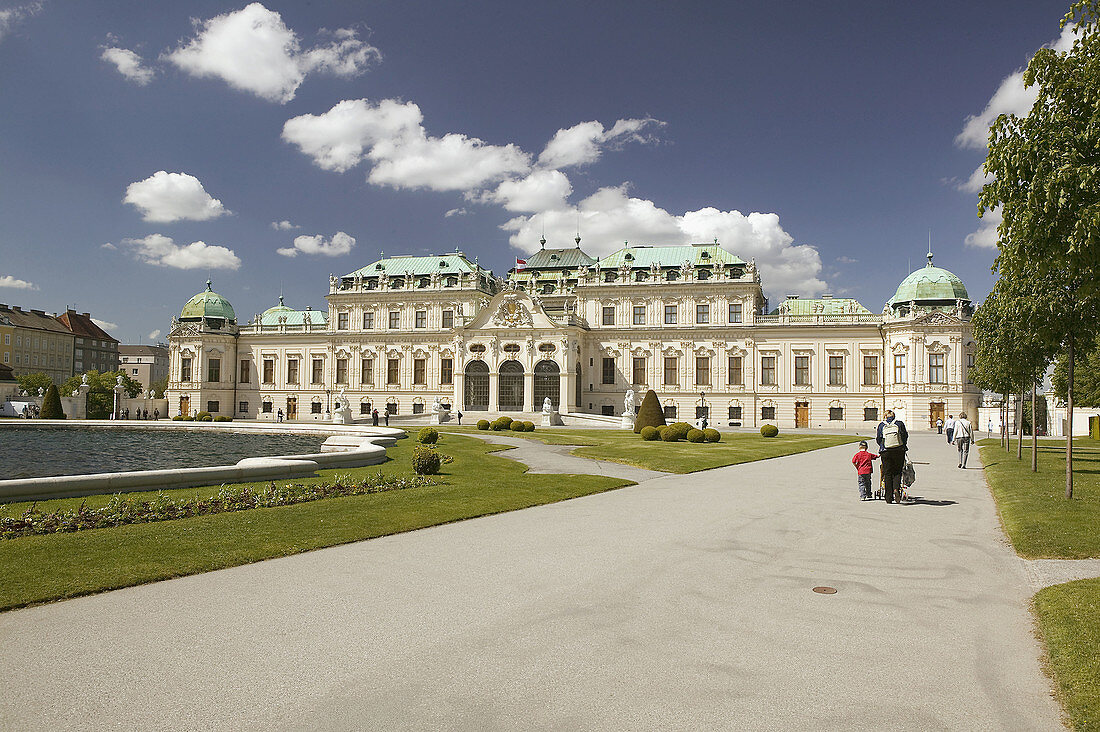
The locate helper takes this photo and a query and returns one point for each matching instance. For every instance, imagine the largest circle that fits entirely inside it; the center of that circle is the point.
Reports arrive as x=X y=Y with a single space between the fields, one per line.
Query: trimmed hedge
x=769 y=430
x=51 y=404
x=427 y=436
x=518 y=426
x=425 y=460
x=650 y=413
x=650 y=433
x=712 y=435
x=681 y=429
x=695 y=435
x=222 y=418
x=669 y=435
x=483 y=424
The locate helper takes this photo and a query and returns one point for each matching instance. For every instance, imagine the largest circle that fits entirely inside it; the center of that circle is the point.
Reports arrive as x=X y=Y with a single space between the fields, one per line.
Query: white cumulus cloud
x=986 y=235
x=153 y=335
x=16 y=284
x=11 y=17
x=105 y=324
x=391 y=136
x=164 y=252
x=253 y=50
x=284 y=225
x=129 y=64
x=610 y=217
x=166 y=197
x=455 y=212
x=339 y=244
x=542 y=190
x=583 y=143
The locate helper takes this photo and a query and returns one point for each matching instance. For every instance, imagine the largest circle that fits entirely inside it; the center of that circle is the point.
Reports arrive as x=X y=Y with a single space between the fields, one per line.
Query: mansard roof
x=670 y=256
x=409 y=265
x=821 y=306
x=559 y=259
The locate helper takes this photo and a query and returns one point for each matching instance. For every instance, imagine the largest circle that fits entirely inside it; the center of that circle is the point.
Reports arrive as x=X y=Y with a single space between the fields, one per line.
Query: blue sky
x=146 y=146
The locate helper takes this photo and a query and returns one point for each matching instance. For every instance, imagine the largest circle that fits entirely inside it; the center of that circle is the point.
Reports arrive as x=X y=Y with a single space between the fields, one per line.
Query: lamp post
x=702 y=404
x=328 y=402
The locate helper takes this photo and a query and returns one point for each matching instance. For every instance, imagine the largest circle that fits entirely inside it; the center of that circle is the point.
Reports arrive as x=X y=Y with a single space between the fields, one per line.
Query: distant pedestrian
x=460 y=416
x=145 y=414
x=892 y=438
x=863 y=461
x=387 y=417
x=939 y=425
x=990 y=430
x=374 y=417
x=280 y=415
x=963 y=434
x=704 y=423
x=156 y=415
x=949 y=425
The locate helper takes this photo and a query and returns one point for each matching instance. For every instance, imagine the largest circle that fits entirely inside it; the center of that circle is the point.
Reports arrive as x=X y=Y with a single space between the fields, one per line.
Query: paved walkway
x=683 y=602
x=542 y=458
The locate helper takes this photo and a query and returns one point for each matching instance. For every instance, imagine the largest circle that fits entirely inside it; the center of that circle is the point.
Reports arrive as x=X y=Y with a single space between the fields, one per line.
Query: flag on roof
x=521 y=264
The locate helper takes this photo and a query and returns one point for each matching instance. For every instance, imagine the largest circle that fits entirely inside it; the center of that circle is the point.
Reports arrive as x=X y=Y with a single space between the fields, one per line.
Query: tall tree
x=34 y=381
x=1045 y=170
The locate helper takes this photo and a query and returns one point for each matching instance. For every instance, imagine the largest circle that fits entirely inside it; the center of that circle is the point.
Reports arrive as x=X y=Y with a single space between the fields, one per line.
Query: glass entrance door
x=477 y=387
x=547 y=384
x=510 y=391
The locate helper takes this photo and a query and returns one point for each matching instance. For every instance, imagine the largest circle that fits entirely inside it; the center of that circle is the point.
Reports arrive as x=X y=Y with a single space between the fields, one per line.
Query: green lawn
x=623 y=446
x=37 y=569
x=1038 y=519
x=1069 y=622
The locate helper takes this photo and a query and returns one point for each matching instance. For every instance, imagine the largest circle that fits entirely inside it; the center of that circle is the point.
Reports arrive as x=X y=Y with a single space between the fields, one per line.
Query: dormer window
x=704 y=255
x=477 y=348
x=424 y=282
x=672 y=275
x=443 y=263
x=609 y=276
x=451 y=282
x=628 y=256
x=703 y=274
x=511 y=349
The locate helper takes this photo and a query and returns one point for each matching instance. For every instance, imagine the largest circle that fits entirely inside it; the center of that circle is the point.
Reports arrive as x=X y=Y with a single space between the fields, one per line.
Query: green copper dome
x=208 y=304
x=930 y=284
x=275 y=311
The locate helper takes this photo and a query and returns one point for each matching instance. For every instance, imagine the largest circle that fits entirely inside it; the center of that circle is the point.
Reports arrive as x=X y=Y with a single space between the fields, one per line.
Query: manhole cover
x=825 y=590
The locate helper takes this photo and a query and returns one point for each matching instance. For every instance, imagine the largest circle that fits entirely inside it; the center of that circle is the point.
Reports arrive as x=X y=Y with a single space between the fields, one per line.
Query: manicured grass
x=1038 y=519
x=38 y=569
x=1068 y=622
x=623 y=446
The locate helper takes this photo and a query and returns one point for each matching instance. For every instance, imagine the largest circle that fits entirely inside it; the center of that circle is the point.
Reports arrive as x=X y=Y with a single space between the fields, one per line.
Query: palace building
x=689 y=322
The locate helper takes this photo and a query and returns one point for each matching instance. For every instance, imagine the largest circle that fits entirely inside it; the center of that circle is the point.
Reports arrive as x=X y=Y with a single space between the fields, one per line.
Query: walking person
x=892 y=438
x=863 y=461
x=374 y=417
x=459 y=417
x=280 y=415
x=387 y=416
x=964 y=432
x=949 y=425
x=939 y=426
x=156 y=415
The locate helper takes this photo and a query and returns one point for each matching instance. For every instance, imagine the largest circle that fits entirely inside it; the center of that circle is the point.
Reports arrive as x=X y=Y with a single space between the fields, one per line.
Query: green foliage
x=650 y=433
x=769 y=430
x=51 y=404
x=1066 y=615
x=712 y=435
x=529 y=426
x=31 y=383
x=695 y=435
x=501 y=423
x=1041 y=411
x=425 y=460
x=681 y=429
x=668 y=434
x=427 y=436
x=1086 y=376
x=223 y=418
x=178 y=418
x=650 y=413
x=203 y=417
x=517 y=426
x=483 y=424
x=159 y=387
x=101 y=390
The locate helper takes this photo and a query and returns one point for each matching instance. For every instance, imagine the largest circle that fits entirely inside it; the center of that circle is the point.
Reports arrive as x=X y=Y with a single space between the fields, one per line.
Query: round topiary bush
x=51 y=404
x=529 y=426
x=425 y=460
x=769 y=430
x=670 y=435
x=207 y=418
x=203 y=417
x=695 y=435
x=177 y=418
x=650 y=413
x=712 y=435
x=427 y=436
x=681 y=429
x=517 y=426
x=650 y=433
x=483 y=424
x=188 y=418
x=223 y=418
x=506 y=421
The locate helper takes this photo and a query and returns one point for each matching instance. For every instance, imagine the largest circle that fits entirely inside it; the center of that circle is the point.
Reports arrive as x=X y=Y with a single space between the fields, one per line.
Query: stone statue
x=437 y=406
x=76 y=392
x=547 y=407
x=628 y=403
x=118 y=380
x=152 y=394
x=84 y=380
x=41 y=392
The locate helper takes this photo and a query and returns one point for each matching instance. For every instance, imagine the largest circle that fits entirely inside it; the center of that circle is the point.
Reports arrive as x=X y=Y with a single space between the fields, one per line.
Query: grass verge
x=37 y=569
x=1039 y=521
x=623 y=446
x=1067 y=616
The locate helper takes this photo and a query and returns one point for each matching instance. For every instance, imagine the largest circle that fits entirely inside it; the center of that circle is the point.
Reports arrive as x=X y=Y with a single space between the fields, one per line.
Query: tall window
x=368 y=321
x=395 y=319
x=214 y=370
x=421 y=318
x=767 y=371
x=802 y=370
x=608 y=315
x=446 y=371
x=292 y=371
x=342 y=321
x=702 y=313
x=969 y=367
x=608 y=371
x=671 y=377
x=735 y=375
x=366 y=372
x=269 y=371
x=448 y=318
x=735 y=412
x=735 y=312
x=935 y=369
x=185 y=369
x=767 y=413
x=670 y=315
x=392 y=367
x=639 y=371
x=341 y=371
x=318 y=371
x=899 y=369
x=836 y=370
x=702 y=371
x=246 y=368
x=420 y=371
x=836 y=414
x=870 y=370
x=639 y=315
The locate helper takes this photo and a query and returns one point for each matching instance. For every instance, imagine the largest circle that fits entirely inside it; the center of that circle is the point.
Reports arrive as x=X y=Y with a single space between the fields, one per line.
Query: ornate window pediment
x=419 y=353
x=899 y=348
x=672 y=351
x=936 y=347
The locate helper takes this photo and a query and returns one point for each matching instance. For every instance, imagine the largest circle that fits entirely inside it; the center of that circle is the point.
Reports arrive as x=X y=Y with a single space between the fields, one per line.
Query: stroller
x=908 y=478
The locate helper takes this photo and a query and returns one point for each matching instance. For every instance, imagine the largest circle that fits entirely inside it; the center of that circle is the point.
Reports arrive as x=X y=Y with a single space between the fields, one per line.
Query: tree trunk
x=1020 y=427
x=1034 y=432
x=1005 y=443
x=1069 y=418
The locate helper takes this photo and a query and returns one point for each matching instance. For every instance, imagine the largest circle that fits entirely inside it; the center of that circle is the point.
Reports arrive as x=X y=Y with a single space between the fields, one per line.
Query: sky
x=148 y=146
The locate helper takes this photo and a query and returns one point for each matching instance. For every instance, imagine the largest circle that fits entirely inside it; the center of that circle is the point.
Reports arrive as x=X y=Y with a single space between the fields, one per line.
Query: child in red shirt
x=862 y=460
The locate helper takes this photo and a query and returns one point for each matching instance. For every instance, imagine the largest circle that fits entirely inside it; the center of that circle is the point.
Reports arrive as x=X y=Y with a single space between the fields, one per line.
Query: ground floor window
x=670 y=412
x=735 y=412
x=608 y=410
x=315 y=408
x=836 y=413
x=702 y=412
x=364 y=407
x=266 y=407
x=870 y=414
x=391 y=408
x=418 y=407
x=212 y=406
x=767 y=412
x=243 y=408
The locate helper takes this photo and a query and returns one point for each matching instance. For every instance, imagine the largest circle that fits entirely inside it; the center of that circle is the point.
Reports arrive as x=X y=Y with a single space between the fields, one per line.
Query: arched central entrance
x=547 y=383
x=510 y=387
x=477 y=387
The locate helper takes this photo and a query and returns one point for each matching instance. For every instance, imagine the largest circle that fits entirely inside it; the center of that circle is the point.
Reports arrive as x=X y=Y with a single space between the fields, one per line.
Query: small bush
x=650 y=413
x=695 y=435
x=681 y=429
x=650 y=433
x=427 y=436
x=223 y=418
x=506 y=421
x=670 y=435
x=177 y=418
x=207 y=418
x=518 y=426
x=769 y=430
x=483 y=424
x=529 y=426
x=425 y=460
x=187 y=419
x=202 y=417
x=712 y=435
x=51 y=404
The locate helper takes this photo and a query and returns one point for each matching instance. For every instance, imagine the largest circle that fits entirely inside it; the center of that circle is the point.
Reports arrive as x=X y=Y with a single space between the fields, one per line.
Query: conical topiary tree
x=51 y=404
x=650 y=414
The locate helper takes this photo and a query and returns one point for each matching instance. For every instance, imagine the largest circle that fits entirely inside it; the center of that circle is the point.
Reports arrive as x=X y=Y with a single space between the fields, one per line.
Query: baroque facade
x=689 y=322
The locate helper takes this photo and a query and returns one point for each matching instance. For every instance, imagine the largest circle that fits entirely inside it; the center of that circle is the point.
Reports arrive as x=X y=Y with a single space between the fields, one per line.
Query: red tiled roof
x=81 y=324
